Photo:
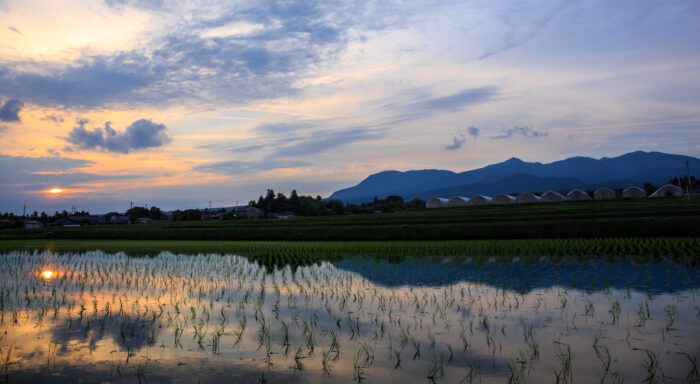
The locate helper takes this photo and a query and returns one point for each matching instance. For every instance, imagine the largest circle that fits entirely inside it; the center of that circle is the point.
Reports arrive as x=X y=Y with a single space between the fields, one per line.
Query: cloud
x=473 y=132
x=9 y=111
x=195 y=62
x=454 y=102
x=520 y=131
x=35 y=172
x=322 y=141
x=235 y=167
x=457 y=142
x=15 y=30
x=515 y=36
x=53 y=152
x=281 y=128
x=55 y=118
x=140 y=134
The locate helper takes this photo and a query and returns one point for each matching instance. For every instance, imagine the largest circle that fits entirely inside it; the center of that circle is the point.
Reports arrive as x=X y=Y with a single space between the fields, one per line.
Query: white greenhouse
x=552 y=197
x=577 y=195
x=604 y=194
x=633 y=193
x=436 y=202
x=457 y=201
x=526 y=198
x=668 y=190
x=480 y=200
x=502 y=199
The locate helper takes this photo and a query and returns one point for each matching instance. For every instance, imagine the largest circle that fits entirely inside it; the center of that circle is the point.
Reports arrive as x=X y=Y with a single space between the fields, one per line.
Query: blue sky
x=178 y=103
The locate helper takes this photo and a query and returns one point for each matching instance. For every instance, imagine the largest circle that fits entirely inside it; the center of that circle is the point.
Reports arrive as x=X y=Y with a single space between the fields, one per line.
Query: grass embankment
x=669 y=217
x=682 y=250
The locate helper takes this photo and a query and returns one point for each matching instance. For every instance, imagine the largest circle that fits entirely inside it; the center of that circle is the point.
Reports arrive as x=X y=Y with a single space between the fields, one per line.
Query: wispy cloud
x=237 y=167
x=454 y=102
x=520 y=131
x=140 y=134
x=322 y=141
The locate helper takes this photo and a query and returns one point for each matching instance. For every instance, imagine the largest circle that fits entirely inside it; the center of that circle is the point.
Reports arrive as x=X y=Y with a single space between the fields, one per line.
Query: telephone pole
x=687 y=187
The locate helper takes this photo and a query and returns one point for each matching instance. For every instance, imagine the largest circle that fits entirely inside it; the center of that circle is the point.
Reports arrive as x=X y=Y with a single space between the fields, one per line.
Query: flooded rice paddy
x=98 y=317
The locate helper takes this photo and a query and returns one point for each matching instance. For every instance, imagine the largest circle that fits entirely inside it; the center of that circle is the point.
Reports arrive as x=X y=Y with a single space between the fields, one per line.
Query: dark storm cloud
x=9 y=112
x=520 y=131
x=140 y=134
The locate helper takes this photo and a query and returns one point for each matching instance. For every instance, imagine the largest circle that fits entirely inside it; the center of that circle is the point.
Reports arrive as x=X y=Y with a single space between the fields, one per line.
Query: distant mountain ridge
x=515 y=176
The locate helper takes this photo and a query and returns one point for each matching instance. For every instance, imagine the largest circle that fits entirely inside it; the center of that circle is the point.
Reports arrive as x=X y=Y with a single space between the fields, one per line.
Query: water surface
x=101 y=317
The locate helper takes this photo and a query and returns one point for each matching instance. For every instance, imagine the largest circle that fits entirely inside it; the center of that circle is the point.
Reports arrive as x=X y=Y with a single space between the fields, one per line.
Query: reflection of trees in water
x=523 y=277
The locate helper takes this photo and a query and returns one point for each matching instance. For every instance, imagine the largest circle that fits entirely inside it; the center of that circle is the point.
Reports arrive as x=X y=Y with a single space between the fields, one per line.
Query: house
x=283 y=215
x=142 y=220
x=29 y=224
x=252 y=213
x=115 y=218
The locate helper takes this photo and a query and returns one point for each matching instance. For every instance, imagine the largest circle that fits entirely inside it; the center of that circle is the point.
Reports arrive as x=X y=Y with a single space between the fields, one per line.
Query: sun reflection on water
x=48 y=274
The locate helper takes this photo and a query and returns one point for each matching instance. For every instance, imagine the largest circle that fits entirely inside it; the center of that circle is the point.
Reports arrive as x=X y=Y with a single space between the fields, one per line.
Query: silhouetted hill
x=515 y=175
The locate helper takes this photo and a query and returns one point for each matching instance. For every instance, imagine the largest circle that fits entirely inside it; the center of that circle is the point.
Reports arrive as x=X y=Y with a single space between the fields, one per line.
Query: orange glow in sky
x=55 y=190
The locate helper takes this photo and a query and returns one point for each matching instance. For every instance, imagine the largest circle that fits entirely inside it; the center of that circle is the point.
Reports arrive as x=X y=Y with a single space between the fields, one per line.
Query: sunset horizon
x=179 y=104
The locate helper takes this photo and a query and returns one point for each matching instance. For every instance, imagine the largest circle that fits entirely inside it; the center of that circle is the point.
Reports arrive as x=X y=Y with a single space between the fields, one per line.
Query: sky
x=178 y=103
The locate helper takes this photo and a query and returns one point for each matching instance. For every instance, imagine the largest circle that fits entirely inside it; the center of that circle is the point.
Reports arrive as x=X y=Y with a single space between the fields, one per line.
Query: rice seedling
x=176 y=305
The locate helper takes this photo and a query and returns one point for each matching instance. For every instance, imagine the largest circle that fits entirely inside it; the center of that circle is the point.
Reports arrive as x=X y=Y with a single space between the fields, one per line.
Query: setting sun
x=55 y=190
x=47 y=274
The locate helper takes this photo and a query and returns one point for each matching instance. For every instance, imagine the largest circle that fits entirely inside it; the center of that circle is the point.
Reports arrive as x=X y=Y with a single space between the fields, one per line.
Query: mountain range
x=516 y=176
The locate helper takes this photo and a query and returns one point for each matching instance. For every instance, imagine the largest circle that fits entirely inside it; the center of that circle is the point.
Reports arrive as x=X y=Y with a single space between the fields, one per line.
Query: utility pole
x=687 y=187
x=131 y=204
x=24 y=211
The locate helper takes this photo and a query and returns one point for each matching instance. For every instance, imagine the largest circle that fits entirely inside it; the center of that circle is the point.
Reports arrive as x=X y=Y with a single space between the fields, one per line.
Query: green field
x=668 y=217
x=682 y=250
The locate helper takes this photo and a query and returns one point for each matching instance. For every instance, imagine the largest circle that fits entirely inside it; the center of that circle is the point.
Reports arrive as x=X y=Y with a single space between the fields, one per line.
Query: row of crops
x=278 y=253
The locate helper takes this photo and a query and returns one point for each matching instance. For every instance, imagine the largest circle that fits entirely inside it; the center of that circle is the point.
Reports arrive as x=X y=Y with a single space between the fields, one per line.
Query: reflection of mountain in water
x=660 y=277
x=128 y=334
